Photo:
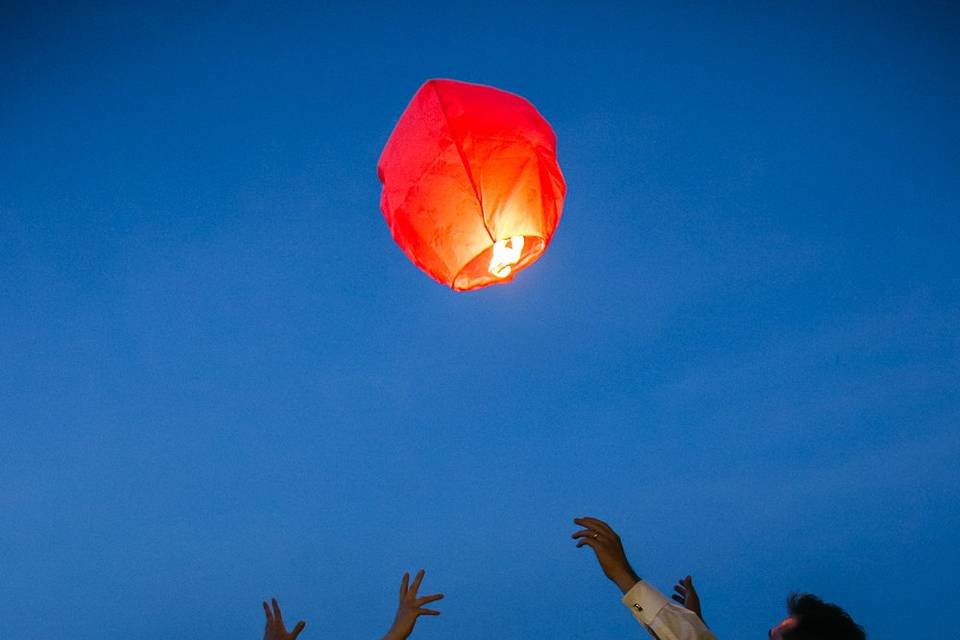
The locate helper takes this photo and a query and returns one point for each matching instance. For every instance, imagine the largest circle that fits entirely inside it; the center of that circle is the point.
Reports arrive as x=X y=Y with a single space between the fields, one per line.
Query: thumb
x=297 y=629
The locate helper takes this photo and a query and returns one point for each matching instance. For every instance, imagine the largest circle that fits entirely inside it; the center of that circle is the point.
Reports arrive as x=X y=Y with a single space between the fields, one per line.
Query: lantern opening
x=506 y=253
x=498 y=266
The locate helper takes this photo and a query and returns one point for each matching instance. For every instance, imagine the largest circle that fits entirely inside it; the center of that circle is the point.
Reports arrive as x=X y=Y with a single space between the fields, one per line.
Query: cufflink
x=636 y=605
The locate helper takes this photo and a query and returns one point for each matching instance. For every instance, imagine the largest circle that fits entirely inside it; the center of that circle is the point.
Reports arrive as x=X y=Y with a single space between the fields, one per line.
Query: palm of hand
x=403 y=622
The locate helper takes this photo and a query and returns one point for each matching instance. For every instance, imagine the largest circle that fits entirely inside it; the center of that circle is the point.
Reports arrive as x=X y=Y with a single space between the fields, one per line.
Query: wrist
x=626 y=579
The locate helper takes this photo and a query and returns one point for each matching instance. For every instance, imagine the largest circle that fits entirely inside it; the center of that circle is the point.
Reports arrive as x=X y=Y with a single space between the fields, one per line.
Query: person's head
x=813 y=619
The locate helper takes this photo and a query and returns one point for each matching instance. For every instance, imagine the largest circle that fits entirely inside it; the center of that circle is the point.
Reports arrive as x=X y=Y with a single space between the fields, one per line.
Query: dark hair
x=819 y=620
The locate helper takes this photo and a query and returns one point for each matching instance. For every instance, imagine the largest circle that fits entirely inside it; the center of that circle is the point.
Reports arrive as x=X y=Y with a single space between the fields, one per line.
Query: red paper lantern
x=471 y=186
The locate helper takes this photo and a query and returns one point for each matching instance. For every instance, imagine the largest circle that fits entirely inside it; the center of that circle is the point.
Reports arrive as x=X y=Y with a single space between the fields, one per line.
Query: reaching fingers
x=416 y=583
x=276 y=612
x=426 y=612
x=688 y=583
x=297 y=629
x=431 y=598
x=679 y=588
x=678 y=599
x=587 y=533
x=403 y=584
x=597 y=525
x=590 y=542
x=589 y=523
x=266 y=609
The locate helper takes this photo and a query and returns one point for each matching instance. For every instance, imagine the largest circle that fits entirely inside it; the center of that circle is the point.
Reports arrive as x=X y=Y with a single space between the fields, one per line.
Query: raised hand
x=686 y=594
x=410 y=607
x=275 y=629
x=605 y=542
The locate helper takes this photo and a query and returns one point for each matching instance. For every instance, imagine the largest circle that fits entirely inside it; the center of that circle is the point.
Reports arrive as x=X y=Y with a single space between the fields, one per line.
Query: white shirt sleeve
x=663 y=619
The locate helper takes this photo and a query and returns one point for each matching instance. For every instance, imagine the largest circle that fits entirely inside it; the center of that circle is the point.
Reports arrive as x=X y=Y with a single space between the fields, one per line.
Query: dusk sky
x=221 y=380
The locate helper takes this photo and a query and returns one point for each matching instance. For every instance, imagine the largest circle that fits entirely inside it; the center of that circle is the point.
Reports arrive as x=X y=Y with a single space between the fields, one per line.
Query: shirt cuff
x=644 y=602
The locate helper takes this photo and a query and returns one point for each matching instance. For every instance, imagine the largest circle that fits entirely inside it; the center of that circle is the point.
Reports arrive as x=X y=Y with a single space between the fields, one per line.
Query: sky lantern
x=472 y=190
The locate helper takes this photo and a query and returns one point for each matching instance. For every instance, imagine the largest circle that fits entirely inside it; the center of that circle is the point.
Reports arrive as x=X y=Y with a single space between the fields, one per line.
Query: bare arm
x=606 y=544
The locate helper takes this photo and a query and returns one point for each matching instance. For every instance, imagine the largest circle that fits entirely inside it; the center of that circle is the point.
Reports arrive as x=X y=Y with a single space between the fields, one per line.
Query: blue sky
x=220 y=380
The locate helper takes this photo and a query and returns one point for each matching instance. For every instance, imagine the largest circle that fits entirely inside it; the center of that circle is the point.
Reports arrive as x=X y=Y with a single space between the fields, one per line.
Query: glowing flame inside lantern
x=506 y=253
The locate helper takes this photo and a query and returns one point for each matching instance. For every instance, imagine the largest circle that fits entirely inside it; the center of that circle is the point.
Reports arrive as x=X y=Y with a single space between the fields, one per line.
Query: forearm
x=625 y=579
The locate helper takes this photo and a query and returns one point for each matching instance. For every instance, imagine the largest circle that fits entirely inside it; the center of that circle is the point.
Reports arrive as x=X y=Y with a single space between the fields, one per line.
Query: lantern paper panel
x=472 y=190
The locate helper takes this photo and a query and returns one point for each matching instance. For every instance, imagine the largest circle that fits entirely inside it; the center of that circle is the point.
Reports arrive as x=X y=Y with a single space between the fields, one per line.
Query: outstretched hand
x=275 y=629
x=605 y=542
x=410 y=607
x=686 y=594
